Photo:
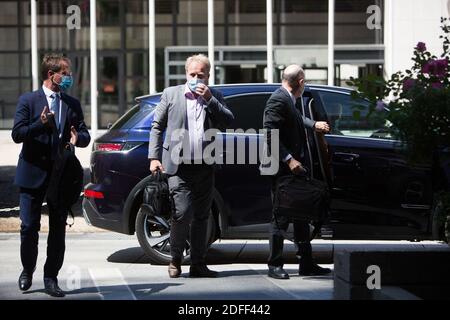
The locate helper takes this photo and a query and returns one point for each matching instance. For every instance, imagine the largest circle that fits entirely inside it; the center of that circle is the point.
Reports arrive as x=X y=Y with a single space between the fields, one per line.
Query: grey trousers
x=191 y=190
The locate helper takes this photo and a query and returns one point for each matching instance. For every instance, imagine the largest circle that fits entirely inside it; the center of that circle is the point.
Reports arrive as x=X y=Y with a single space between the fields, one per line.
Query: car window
x=351 y=117
x=135 y=117
x=248 y=110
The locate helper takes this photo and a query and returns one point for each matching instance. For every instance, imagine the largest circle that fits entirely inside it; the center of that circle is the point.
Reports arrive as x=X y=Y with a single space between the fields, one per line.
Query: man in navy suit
x=45 y=119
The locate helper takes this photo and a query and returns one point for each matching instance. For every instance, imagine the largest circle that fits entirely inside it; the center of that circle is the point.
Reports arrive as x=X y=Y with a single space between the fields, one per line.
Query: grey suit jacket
x=170 y=116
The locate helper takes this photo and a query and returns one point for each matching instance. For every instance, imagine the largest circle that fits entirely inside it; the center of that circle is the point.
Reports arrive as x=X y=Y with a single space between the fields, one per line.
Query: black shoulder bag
x=66 y=180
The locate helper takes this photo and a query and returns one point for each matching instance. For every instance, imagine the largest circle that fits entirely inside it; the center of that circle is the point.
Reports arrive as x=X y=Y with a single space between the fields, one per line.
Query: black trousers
x=30 y=215
x=279 y=225
x=191 y=191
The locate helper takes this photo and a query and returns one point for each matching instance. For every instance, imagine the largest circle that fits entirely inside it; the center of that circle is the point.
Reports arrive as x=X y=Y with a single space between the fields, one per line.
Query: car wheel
x=153 y=234
x=440 y=221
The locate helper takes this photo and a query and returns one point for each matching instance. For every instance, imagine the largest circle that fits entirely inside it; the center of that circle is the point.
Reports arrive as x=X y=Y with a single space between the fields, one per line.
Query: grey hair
x=292 y=74
x=200 y=58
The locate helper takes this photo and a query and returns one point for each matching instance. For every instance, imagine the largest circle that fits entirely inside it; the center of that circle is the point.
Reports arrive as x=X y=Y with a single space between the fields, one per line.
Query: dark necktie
x=55 y=136
x=55 y=108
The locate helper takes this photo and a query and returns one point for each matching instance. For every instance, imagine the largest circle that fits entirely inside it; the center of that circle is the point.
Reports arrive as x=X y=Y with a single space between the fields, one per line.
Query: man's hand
x=155 y=165
x=203 y=91
x=73 y=136
x=295 y=166
x=321 y=126
x=44 y=118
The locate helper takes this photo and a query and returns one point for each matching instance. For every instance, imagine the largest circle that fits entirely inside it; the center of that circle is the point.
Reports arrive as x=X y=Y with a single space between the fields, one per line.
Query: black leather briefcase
x=301 y=198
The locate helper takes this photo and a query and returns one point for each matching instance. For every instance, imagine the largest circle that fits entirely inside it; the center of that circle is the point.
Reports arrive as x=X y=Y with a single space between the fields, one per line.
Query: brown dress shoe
x=174 y=270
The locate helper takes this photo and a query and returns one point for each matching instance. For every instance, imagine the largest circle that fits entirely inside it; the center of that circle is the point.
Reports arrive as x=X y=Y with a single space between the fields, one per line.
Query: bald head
x=292 y=74
x=293 y=79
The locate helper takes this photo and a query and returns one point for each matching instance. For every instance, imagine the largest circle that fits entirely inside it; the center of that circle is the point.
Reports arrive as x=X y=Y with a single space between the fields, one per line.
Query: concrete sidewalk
x=113 y=266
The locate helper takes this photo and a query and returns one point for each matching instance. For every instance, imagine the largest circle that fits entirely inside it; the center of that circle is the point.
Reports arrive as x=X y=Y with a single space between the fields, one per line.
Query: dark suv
x=375 y=193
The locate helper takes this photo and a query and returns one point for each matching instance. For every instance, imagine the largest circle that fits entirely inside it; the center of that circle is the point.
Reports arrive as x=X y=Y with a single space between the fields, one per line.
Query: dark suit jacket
x=280 y=113
x=170 y=115
x=35 y=159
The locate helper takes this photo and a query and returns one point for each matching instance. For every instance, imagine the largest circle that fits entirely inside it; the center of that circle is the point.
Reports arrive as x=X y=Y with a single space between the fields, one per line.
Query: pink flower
x=380 y=106
x=408 y=84
x=436 y=67
x=421 y=46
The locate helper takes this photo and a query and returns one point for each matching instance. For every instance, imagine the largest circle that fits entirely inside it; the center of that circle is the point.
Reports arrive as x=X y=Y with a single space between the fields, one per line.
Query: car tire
x=154 y=237
x=440 y=221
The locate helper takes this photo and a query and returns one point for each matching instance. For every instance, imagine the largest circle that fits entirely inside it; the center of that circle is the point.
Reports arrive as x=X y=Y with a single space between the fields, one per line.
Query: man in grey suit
x=185 y=113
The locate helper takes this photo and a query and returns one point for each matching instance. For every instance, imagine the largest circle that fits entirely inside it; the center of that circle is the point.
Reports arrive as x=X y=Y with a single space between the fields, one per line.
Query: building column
x=269 y=39
x=94 y=89
x=211 y=56
x=331 y=42
x=34 y=47
x=151 y=47
x=388 y=39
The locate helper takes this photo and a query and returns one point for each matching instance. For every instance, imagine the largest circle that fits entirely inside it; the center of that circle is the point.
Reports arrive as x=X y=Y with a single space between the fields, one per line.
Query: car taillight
x=108 y=146
x=93 y=194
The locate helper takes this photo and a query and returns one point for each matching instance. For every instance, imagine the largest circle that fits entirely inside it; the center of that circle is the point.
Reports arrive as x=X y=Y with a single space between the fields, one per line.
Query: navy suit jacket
x=35 y=159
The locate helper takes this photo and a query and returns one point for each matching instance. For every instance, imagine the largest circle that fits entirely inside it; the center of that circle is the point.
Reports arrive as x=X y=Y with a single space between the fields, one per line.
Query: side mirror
x=109 y=125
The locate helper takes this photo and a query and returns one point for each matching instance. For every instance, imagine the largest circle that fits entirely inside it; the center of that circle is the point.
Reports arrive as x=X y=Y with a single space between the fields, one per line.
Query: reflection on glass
x=8 y=13
x=9 y=39
x=81 y=88
x=192 y=11
x=137 y=64
x=108 y=12
x=137 y=37
x=53 y=38
x=193 y=36
x=136 y=87
x=136 y=11
x=108 y=37
x=9 y=64
x=108 y=90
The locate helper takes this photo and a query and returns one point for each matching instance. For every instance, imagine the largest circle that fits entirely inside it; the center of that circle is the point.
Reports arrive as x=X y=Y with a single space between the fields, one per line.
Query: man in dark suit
x=282 y=114
x=45 y=119
x=185 y=113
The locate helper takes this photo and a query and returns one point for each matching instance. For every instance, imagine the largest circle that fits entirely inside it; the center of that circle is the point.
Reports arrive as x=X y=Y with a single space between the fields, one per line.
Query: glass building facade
x=300 y=35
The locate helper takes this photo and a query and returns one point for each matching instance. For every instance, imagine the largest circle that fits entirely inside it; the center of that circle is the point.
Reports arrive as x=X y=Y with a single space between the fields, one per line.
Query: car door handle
x=345 y=157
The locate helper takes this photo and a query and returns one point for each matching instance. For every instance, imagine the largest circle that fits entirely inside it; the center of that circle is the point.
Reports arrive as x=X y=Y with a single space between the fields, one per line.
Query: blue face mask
x=66 y=83
x=192 y=84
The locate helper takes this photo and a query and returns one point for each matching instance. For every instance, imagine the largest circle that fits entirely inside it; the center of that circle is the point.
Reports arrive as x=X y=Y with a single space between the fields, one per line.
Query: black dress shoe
x=25 y=280
x=277 y=273
x=52 y=289
x=313 y=270
x=201 y=271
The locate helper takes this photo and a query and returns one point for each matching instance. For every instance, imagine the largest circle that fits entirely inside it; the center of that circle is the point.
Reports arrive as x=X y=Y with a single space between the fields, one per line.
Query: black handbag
x=301 y=198
x=156 y=199
x=66 y=180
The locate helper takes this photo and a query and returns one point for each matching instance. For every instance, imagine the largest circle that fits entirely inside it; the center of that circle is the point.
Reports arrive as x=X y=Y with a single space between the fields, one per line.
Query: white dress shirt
x=195 y=119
